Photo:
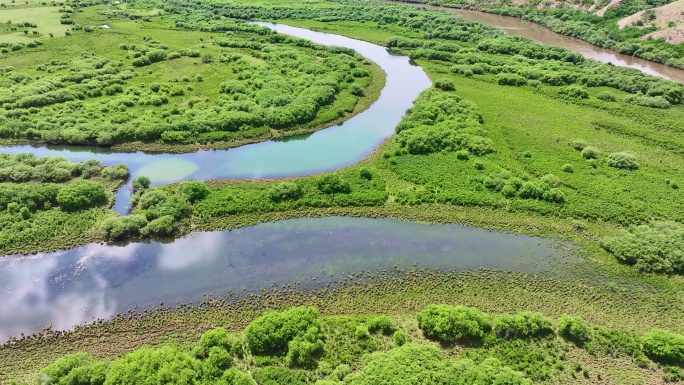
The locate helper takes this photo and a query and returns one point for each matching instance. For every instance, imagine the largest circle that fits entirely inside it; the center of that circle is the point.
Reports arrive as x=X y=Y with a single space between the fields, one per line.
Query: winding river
x=542 y=34
x=69 y=288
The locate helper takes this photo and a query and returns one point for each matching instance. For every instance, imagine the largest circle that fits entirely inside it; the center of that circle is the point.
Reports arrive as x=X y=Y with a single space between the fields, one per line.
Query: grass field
x=181 y=88
x=45 y=18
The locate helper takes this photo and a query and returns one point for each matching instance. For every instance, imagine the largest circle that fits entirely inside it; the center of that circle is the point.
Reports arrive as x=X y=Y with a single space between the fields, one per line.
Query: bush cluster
x=653 y=248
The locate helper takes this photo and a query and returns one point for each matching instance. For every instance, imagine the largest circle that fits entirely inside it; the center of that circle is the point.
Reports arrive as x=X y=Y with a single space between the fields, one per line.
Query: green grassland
x=197 y=90
x=45 y=20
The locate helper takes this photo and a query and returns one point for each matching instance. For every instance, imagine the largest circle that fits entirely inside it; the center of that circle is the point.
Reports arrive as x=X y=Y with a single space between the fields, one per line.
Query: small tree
x=333 y=184
x=141 y=183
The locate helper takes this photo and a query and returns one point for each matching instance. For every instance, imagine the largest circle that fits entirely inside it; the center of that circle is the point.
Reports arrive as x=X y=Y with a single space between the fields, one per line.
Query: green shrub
x=591 y=152
x=365 y=173
x=381 y=324
x=579 y=145
x=450 y=324
x=506 y=79
x=445 y=84
x=194 y=190
x=606 y=96
x=574 y=92
x=285 y=191
x=355 y=89
x=522 y=325
x=623 y=160
x=272 y=375
x=413 y=364
x=462 y=155
x=119 y=227
x=361 y=332
x=141 y=183
x=664 y=346
x=217 y=337
x=81 y=194
x=303 y=349
x=654 y=248
x=574 y=329
x=166 y=365
x=551 y=180
x=274 y=331
x=399 y=338
x=648 y=101
x=162 y=226
x=79 y=368
x=332 y=184
x=567 y=168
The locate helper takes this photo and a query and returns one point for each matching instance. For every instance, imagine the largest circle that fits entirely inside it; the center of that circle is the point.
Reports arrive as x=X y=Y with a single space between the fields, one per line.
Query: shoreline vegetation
x=513 y=136
x=401 y=294
x=601 y=31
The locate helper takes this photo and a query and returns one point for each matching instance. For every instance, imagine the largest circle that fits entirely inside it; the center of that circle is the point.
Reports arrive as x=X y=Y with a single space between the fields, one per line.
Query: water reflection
x=73 y=287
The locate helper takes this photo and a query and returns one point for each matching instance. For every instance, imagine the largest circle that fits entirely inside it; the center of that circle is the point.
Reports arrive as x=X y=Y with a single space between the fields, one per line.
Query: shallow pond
x=73 y=287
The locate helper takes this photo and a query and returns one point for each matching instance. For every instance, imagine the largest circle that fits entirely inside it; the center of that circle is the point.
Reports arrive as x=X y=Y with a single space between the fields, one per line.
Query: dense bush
x=413 y=364
x=381 y=324
x=506 y=79
x=574 y=329
x=79 y=368
x=119 y=227
x=522 y=325
x=141 y=183
x=442 y=122
x=296 y=332
x=81 y=194
x=623 y=160
x=654 y=248
x=591 y=152
x=664 y=346
x=574 y=92
x=284 y=191
x=606 y=96
x=450 y=324
x=648 y=101
x=332 y=184
x=445 y=84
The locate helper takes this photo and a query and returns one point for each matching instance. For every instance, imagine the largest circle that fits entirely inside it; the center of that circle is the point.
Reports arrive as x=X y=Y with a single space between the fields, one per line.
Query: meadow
x=176 y=84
